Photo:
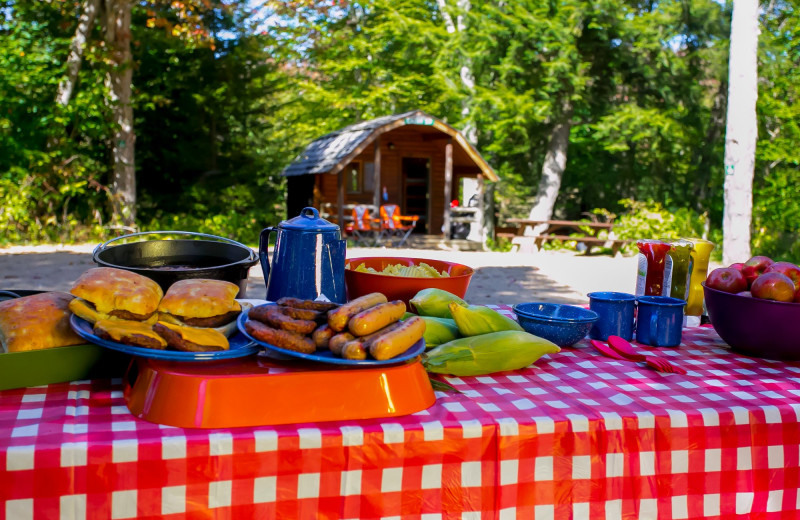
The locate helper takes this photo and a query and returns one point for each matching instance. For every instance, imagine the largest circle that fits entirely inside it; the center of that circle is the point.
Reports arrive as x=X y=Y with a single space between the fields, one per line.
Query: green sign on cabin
x=426 y=121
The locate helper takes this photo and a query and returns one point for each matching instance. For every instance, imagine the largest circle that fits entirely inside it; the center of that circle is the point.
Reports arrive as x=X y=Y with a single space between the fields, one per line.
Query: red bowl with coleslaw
x=453 y=277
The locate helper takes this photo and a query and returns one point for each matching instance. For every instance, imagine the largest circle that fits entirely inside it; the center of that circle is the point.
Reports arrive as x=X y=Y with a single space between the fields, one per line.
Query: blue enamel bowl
x=560 y=323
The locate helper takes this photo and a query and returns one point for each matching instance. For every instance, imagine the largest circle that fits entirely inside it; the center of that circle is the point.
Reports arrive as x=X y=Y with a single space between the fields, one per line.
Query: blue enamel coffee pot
x=308 y=259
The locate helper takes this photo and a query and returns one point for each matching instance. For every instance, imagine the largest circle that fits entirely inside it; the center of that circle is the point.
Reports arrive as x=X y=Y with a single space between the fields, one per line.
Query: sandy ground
x=548 y=276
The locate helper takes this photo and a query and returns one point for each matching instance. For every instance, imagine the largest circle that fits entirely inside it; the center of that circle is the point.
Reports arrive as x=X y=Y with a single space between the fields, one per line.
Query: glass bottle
x=680 y=252
x=701 y=254
x=654 y=268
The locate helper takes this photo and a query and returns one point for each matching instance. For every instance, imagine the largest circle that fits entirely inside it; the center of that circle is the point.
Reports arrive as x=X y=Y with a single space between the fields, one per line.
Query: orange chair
x=394 y=225
x=363 y=227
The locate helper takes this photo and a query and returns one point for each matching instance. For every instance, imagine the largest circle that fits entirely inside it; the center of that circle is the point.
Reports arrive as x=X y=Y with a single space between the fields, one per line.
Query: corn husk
x=487 y=353
x=434 y=302
x=439 y=330
x=474 y=320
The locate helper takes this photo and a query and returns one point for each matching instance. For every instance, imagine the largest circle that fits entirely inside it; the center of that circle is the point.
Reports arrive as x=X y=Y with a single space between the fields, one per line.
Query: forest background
x=226 y=93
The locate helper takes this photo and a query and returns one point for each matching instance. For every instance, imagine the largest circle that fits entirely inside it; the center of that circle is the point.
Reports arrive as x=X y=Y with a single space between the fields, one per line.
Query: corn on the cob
x=473 y=320
x=487 y=353
x=434 y=302
x=439 y=330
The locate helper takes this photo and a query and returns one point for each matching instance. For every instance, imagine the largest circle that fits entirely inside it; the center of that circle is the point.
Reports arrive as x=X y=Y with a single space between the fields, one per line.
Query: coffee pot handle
x=263 y=250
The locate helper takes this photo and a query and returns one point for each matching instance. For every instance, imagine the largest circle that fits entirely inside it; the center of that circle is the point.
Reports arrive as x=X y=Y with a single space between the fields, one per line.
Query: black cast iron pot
x=167 y=261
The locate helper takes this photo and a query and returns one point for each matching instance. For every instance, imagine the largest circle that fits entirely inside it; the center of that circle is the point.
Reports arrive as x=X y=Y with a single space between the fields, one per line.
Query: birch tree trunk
x=741 y=132
x=78 y=44
x=118 y=82
x=555 y=163
x=469 y=130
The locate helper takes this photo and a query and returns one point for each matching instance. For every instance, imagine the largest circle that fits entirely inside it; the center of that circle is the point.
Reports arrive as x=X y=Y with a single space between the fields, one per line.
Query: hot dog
x=279 y=338
x=358 y=348
x=321 y=336
x=398 y=339
x=375 y=318
x=336 y=343
x=297 y=303
x=338 y=318
x=354 y=350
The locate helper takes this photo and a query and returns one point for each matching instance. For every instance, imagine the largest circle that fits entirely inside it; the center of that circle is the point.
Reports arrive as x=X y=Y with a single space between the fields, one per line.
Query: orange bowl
x=403 y=287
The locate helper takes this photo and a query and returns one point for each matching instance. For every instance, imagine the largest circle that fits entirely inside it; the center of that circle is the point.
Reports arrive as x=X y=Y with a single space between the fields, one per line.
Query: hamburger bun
x=37 y=322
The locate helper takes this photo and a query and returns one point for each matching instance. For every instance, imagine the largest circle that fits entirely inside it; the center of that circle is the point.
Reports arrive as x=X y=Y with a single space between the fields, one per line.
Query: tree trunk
x=77 y=46
x=118 y=81
x=555 y=162
x=741 y=132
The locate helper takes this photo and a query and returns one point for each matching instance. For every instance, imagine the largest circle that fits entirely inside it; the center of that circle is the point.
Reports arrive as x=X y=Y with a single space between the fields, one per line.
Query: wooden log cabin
x=412 y=159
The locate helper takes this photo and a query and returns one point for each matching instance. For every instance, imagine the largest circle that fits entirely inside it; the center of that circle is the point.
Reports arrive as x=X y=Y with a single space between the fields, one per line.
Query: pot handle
x=101 y=247
x=263 y=250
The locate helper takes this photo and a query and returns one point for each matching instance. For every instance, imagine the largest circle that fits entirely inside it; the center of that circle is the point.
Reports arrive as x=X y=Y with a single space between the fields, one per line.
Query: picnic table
x=563 y=230
x=576 y=435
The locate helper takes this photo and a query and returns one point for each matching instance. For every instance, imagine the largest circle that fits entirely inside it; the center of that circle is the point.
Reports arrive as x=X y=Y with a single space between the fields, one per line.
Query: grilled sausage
x=338 y=318
x=398 y=339
x=280 y=338
x=375 y=318
x=307 y=304
x=272 y=316
x=303 y=314
x=321 y=336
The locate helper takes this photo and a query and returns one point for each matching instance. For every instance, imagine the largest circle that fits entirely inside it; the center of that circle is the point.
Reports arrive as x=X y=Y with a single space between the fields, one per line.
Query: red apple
x=738 y=266
x=773 y=286
x=727 y=280
x=755 y=267
x=787 y=268
x=797 y=296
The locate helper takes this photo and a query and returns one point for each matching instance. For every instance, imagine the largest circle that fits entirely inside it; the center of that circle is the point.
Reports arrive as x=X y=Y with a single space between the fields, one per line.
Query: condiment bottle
x=680 y=252
x=654 y=268
x=701 y=253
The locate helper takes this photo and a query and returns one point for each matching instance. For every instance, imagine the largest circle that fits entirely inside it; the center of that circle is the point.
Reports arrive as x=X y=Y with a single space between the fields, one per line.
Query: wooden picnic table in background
x=562 y=230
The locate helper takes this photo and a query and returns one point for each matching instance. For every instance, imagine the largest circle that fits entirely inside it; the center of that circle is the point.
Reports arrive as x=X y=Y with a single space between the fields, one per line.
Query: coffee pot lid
x=310 y=221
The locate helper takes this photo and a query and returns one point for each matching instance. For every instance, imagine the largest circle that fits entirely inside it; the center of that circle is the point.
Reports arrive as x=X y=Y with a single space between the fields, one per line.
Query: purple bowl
x=755 y=327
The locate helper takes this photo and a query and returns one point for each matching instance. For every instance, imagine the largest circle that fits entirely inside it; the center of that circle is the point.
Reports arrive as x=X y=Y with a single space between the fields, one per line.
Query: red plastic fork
x=624 y=348
x=656 y=363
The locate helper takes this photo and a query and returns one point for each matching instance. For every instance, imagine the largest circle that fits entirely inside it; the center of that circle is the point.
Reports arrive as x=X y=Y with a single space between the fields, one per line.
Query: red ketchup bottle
x=654 y=273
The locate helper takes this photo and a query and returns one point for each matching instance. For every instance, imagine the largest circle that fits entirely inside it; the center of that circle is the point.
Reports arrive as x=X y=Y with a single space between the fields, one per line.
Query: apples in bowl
x=754 y=311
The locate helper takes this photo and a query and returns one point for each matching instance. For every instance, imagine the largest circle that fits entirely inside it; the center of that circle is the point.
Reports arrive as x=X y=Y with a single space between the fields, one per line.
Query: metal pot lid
x=309 y=221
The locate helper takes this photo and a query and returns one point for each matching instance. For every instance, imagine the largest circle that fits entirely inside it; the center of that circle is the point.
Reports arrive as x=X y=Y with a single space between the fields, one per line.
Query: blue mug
x=616 y=313
x=660 y=321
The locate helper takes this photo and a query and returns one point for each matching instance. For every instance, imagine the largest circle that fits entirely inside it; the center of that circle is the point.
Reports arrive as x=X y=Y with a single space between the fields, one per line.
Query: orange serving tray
x=258 y=391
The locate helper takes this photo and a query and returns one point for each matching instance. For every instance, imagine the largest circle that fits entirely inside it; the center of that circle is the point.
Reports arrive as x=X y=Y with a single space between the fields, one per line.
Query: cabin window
x=354 y=180
x=369 y=177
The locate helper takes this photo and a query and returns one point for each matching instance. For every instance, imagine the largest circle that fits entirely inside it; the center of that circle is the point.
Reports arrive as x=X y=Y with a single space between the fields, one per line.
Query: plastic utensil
x=656 y=363
x=625 y=349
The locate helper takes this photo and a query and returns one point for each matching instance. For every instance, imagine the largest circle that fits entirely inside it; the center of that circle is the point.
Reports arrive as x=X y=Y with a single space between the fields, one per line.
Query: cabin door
x=416 y=178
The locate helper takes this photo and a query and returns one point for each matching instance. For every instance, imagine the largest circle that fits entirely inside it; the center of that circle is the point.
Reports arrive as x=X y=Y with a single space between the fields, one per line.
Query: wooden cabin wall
x=406 y=141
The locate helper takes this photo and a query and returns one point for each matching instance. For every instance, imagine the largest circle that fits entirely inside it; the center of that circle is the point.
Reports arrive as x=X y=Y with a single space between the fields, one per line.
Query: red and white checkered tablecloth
x=576 y=435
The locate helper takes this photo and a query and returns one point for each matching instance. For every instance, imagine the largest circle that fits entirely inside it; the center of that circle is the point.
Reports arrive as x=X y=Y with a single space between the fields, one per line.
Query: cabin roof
x=332 y=152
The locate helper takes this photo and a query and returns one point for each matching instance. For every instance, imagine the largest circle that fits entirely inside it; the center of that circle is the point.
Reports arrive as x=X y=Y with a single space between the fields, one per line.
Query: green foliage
x=221 y=108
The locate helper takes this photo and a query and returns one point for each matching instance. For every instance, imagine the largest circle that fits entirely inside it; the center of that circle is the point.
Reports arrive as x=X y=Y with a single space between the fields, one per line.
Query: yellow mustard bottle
x=701 y=253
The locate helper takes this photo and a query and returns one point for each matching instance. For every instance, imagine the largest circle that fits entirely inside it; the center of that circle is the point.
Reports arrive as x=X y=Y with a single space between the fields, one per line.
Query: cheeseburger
x=196 y=314
x=105 y=293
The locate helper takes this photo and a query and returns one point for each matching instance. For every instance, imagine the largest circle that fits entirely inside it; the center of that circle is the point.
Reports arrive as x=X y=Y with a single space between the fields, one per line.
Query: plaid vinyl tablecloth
x=576 y=435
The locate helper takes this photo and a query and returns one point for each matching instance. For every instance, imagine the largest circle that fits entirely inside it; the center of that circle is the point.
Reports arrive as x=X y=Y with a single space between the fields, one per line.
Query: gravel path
x=550 y=276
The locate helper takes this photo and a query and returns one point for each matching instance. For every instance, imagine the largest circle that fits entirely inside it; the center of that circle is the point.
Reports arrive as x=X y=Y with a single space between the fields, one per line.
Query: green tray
x=58 y=365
